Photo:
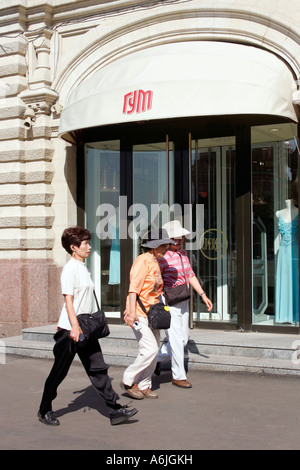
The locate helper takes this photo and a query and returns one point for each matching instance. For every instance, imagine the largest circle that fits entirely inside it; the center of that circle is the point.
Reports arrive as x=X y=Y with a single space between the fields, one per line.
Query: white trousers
x=177 y=336
x=141 y=370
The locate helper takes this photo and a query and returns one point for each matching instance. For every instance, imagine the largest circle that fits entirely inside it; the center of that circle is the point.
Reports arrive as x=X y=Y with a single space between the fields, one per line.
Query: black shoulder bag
x=159 y=316
x=94 y=325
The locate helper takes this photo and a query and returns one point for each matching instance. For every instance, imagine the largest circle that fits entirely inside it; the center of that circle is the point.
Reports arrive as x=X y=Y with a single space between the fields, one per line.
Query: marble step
x=206 y=350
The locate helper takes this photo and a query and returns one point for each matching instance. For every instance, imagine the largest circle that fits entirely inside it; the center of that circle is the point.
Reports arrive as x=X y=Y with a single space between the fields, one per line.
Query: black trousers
x=92 y=359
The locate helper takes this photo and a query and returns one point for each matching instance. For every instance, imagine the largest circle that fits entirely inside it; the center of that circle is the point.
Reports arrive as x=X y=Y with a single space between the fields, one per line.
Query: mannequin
x=289 y=212
x=287 y=272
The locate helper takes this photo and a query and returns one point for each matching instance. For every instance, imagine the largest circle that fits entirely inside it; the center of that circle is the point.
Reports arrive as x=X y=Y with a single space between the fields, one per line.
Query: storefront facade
x=125 y=116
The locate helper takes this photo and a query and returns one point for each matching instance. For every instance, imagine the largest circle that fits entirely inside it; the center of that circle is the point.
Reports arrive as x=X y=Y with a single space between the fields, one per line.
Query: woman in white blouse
x=77 y=289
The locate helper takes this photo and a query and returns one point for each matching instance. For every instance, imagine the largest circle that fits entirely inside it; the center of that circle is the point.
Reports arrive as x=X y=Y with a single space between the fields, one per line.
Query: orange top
x=146 y=281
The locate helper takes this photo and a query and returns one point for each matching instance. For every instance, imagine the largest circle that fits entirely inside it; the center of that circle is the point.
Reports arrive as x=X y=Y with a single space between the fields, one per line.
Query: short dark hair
x=74 y=236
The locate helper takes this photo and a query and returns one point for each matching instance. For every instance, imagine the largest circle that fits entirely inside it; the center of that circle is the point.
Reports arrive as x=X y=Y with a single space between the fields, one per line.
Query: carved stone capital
x=40 y=100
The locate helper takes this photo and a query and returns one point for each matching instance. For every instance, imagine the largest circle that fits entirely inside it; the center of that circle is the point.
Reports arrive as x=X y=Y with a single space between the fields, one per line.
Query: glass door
x=153 y=189
x=102 y=191
x=213 y=199
x=106 y=210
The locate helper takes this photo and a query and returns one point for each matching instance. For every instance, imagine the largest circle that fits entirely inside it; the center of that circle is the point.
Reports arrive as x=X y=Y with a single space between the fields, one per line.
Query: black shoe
x=49 y=418
x=157 y=369
x=121 y=414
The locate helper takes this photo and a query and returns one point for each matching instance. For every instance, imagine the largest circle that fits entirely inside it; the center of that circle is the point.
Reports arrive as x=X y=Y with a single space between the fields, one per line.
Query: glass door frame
x=241 y=134
x=216 y=150
x=182 y=195
x=126 y=189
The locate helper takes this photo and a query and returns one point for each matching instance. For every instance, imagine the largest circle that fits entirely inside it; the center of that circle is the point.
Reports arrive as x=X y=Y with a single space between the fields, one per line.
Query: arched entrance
x=171 y=125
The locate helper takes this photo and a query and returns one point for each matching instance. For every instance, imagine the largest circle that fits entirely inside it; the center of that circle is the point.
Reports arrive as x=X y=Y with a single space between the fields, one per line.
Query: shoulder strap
x=141 y=304
x=98 y=307
x=182 y=267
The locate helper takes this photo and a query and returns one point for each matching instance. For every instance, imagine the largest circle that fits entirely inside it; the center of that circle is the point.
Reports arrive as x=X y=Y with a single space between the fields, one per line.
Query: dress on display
x=287 y=273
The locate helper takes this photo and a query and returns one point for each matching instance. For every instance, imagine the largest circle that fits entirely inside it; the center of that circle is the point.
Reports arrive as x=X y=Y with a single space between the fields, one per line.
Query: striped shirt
x=171 y=268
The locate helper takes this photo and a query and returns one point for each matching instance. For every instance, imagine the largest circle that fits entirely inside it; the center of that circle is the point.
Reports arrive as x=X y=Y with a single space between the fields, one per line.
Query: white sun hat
x=175 y=229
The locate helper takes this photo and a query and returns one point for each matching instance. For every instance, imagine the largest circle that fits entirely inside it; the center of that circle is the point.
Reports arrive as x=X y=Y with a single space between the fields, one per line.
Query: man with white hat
x=176 y=271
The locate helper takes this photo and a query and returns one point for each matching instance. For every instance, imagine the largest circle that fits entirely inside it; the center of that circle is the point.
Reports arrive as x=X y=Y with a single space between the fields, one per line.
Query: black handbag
x=159 y=316
x=177 y=294
x=94 y=325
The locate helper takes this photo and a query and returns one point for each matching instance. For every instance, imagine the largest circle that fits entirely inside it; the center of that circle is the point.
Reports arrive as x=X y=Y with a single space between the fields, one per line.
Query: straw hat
x=156 y=237
x=175 y=229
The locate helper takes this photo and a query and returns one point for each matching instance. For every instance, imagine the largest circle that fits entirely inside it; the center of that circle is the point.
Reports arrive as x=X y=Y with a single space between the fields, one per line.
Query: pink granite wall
x=30 y=294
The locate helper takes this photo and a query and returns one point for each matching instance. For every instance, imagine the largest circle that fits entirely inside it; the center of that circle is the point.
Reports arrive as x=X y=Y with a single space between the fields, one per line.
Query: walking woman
x=77 y=289
x=176 y=270
x=145 y=283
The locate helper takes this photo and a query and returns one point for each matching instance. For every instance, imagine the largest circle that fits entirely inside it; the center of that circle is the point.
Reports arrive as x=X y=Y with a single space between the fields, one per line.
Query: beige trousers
x=141 y=370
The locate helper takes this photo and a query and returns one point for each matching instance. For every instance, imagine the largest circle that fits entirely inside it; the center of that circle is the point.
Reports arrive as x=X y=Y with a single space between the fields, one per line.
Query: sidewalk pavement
x=222 y=411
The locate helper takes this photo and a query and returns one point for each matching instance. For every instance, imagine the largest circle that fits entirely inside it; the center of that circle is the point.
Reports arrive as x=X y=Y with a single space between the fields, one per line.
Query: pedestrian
x=176 y=270
x=145 y=283
x=78 y=289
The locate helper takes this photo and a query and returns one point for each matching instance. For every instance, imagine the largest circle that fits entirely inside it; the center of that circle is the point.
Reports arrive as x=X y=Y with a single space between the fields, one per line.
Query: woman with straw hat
x=145 y=283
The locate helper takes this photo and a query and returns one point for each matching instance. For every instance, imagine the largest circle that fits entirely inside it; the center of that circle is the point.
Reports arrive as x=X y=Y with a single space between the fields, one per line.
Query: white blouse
x=76 y=280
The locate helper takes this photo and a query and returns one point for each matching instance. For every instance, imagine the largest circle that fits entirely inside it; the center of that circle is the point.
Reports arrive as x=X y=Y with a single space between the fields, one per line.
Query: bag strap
x=98 y=307
x=141 y=304
x=182 y=267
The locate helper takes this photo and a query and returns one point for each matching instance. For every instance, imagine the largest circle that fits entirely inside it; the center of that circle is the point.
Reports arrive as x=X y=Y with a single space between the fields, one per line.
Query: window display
x=275 y=265
x=287 y=271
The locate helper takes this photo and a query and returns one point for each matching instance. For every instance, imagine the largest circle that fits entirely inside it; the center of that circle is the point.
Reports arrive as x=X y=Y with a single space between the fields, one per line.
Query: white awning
x=180 y=80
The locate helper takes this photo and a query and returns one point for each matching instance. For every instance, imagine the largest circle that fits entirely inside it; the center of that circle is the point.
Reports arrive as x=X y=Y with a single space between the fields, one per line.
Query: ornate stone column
x=29 y=285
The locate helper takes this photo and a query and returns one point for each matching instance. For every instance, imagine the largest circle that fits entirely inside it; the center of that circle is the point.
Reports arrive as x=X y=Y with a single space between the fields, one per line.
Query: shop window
x=275 y=259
